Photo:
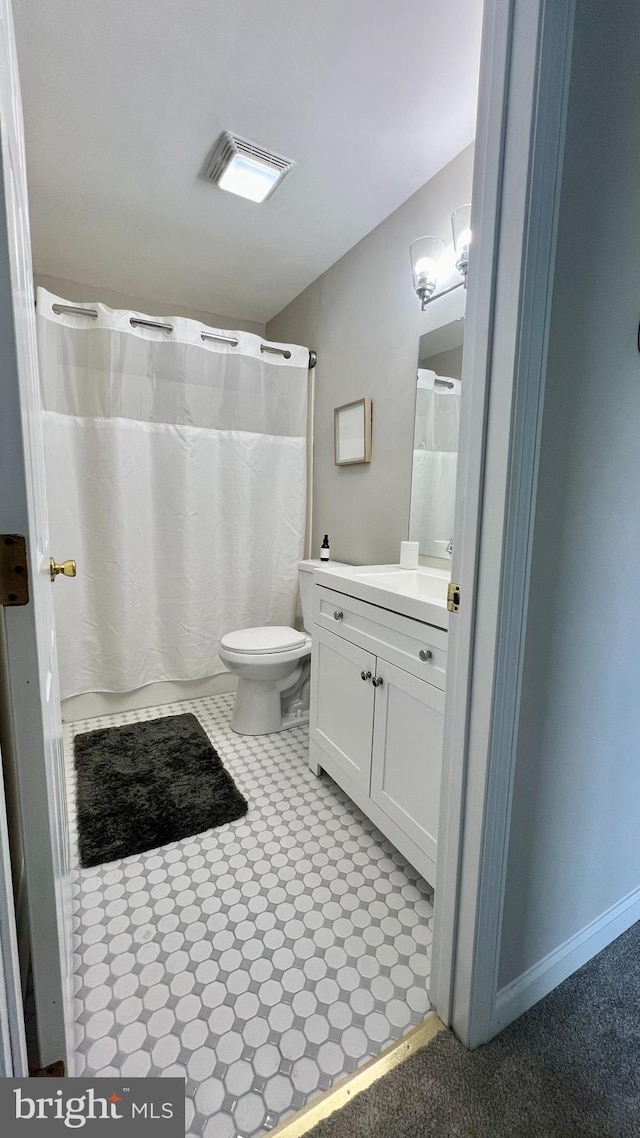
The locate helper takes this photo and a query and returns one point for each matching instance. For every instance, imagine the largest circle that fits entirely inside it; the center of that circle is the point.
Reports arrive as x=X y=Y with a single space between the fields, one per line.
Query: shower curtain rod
x=138 y=322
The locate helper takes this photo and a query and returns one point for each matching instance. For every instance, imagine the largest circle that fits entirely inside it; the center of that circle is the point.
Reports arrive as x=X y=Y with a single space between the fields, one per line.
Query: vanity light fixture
x=244 y=168
x=425 y=253
x=461 y=229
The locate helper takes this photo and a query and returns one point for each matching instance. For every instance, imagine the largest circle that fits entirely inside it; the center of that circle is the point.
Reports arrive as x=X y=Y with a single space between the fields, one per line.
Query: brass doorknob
x=67 y=568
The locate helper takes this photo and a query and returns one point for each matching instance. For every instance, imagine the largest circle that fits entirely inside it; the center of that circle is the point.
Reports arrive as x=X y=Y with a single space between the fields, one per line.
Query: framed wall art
x=352 y=432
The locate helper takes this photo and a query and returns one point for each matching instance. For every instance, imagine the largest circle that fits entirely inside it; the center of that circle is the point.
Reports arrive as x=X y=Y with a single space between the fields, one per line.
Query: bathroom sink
x=420 y=593
x=428 y=583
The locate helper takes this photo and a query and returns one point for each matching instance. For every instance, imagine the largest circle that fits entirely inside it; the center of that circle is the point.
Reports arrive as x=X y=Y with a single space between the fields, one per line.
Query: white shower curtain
x=176 y=470
x=435 y=461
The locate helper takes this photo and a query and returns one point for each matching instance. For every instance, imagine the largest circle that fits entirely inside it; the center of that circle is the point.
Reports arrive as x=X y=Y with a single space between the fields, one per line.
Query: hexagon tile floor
x=261 y=961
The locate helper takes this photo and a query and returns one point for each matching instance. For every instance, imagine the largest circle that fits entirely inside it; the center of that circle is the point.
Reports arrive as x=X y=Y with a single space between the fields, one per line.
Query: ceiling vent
x=241 y=167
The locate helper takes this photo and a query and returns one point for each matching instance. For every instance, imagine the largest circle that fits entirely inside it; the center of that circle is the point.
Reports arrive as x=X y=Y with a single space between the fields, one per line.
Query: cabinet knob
x=338 y=614
x=425 y=654
x=377 y=681
x=365 y=675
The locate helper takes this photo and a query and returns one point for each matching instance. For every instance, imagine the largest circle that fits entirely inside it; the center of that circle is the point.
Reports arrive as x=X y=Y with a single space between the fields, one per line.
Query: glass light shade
x=249 y=178
x=461 y=229
x=425 y=253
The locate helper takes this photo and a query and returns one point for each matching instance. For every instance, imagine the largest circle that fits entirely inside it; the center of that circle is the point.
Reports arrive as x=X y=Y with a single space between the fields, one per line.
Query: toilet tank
x=305 y=577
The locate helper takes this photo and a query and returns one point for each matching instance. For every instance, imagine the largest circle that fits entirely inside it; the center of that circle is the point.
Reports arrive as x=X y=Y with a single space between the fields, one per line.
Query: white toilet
x=272 y=665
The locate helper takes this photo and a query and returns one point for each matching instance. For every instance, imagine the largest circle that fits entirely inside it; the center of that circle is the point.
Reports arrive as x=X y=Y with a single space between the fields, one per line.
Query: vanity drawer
x=418 y=648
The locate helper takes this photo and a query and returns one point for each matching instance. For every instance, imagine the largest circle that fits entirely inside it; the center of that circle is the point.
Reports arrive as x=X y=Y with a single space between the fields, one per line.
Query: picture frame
x=352 y=432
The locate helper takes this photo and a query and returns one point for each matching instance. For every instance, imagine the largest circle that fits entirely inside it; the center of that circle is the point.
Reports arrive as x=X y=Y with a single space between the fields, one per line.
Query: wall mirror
x=435 y=442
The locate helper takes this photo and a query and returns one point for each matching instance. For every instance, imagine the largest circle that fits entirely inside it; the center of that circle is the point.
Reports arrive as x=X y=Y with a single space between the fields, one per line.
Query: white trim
x=525 y=307
x=517 y=252
x=13 y=1047
x=525 y=991
x=28 y=653
x=487 y=177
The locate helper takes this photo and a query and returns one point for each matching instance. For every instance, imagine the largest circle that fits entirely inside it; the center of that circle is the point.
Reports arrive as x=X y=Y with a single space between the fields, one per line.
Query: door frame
x=32 y=739
x=524 y=86
x=13 y=1048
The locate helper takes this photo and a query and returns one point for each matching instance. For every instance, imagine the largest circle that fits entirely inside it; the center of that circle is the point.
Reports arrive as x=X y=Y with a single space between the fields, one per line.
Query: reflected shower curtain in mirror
x=176 y=477
x=435 y=460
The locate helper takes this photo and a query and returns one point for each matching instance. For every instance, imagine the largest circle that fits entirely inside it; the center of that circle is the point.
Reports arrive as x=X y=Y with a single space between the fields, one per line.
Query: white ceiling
x=123 y=99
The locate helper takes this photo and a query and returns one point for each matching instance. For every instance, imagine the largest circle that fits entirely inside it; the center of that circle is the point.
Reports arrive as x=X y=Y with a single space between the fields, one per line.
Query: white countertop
x=419 y=593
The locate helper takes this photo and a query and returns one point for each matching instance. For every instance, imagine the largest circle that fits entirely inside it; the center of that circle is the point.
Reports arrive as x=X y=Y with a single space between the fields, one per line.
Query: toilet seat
x=271 y=638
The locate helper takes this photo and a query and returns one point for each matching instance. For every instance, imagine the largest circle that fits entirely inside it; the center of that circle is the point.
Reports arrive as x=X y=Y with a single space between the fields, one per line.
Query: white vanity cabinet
x=377 y=710
x=343 y=703
x=406 y=756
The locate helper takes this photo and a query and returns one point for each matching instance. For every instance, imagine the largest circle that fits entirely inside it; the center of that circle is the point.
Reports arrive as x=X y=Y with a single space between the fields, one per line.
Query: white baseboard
x=525 y=991
x=91 y=704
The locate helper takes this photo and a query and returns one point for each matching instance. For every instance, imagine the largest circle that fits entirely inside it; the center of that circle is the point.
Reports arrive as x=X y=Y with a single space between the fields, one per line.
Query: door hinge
x=453 y=597
x=14 y=573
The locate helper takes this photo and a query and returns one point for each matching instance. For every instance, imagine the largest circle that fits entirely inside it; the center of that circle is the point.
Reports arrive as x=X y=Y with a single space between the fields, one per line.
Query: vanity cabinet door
x=341 y=718
x=407 y=753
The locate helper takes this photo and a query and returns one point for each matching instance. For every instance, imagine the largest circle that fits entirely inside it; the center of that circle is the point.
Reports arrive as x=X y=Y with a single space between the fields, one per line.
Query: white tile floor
x=261 y=961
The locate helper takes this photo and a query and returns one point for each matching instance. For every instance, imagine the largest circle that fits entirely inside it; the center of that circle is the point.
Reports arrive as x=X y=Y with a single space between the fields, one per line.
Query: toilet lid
x=273 y=638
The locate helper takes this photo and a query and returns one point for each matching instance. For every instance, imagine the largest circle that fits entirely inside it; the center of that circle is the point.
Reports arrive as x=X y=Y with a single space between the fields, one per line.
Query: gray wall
x=445 y=363
x=364 y=320
x=74 y=291
x=575 y=844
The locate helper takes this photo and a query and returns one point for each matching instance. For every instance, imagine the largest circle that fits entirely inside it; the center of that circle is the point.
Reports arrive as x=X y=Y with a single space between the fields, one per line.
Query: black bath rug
x=146 y=784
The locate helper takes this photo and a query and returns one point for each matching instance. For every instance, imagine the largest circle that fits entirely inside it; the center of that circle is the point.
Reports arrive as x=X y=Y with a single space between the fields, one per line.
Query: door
x=407 y=754
x=342 y=703
x=30 y=651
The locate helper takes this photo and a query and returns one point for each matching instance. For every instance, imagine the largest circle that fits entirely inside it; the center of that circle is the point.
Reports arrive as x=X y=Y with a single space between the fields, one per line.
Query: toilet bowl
x=272 y=664
x=268 y=663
